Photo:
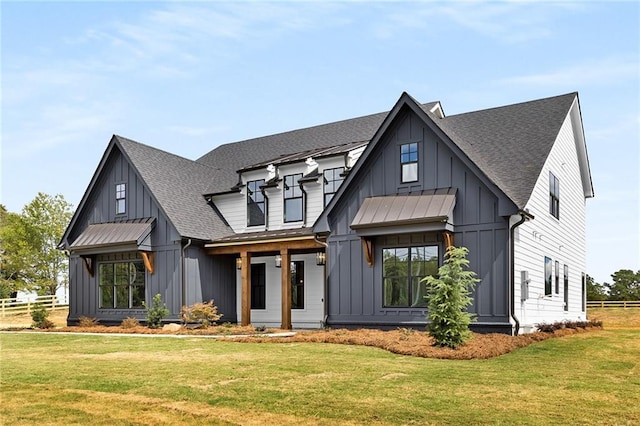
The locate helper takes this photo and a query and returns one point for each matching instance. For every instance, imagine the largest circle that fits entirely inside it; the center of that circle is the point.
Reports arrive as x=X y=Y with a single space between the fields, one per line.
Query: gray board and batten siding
x=355 y=289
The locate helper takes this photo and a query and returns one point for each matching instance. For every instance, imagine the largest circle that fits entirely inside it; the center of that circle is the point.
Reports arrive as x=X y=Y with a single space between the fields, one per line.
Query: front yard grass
x=585 y=378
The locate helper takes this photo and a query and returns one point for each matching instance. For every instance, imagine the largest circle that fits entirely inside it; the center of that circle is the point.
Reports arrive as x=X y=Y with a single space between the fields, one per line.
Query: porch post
x=246 y=288
x=286 y=289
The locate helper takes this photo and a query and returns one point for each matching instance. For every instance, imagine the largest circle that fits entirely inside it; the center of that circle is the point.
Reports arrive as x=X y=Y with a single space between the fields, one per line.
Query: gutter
x=524 y=216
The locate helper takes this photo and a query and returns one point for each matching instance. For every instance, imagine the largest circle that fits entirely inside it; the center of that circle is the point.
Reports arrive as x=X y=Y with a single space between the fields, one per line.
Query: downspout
x=304 y=205
x=324 y=281
x=524 y=216
x=184 y=286
x=266 y=209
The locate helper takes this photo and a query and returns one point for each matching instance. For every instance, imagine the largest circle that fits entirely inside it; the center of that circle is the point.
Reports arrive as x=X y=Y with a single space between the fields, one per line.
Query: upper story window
x=332 y=181
x=255 y=203
x=293 y=199
x=121 y=195
x=554 y=196
x=409 y=162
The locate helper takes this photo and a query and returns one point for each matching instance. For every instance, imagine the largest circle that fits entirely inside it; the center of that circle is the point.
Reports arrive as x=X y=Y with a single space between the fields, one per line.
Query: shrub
x=39 y=315
x=156 y=312
x=46 y=324
x=449 y=297
x=129 y=322
x=87 y=322
x=203 y=313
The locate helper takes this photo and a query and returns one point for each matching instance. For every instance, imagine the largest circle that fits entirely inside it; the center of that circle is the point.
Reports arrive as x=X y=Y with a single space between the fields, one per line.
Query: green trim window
x=409 y=162
x=255 y=203
x=554 y=196
x=122 y=285
x=403 y=270
x=547 y=276
x=121 y=197
x=293 y=199
x=332 y=180
x=297 y=284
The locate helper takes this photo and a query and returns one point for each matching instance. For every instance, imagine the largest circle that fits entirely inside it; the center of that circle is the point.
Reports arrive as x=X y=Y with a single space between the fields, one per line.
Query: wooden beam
x=367 y=247
x=245 y=273
x=259 y=247
x=87 y=262
x=448 y=239
x=147 y=258
x=286 y=289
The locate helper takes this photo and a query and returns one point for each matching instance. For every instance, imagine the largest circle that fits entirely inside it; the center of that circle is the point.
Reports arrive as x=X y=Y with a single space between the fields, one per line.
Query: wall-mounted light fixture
x=321 y=258
x=238 y=263
x=278 y=261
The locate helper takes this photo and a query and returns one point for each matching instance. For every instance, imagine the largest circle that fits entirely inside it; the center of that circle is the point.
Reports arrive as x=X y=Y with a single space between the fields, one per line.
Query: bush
x=156 y=312
x=129 y=322
x=559 y=325
x=39 y=315
x=203 y=313
x=87 y=322
x=449 y=297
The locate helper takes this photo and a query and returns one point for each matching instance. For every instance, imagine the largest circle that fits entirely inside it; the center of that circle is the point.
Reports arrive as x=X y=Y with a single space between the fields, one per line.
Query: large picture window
x=403 y=271
x=122 y=285
x=255 y=203
x=409 y=162
x=554 y=196
x=121 y=197
x=332 y=180
x=547 y=276
x=293 y=199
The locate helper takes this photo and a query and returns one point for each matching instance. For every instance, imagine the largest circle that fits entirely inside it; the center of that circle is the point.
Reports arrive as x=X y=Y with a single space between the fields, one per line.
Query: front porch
x=289 y=251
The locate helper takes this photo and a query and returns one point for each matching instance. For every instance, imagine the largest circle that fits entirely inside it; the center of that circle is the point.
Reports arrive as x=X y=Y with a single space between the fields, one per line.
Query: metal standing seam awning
x=99 y=238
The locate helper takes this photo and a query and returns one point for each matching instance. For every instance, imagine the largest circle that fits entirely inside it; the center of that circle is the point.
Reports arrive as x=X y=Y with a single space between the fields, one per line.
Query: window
x=258 y=280
x=297 y=284
x=566 y=287
x=121 y=195
x=557 y=282
x=403 y=270
x=547 y=276
x=293 y=200
x=584 y=292
x=332 y=181
x=255 y=203
x=554 y=196
x=122 y=285
x=409 y=162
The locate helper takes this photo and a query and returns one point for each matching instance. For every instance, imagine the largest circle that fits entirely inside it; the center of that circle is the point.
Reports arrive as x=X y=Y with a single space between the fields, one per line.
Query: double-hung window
x=554 y=196
x=122 y=285
x=293 y=199
x=255 y=203
x=332 y=180
x=121 y=196
x=403 y=271
x=409 y=162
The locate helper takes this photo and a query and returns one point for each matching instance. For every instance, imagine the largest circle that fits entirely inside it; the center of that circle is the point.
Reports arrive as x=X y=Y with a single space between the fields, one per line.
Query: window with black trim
x=557 y=277
x=547 y=276
x=121 y=196
x=258 y=286
x=293 y=199
x=584 y=292
x=332 y=180
x=297 y=284
x=255 y=203
x=122 y=285
x=409 y=162
x=403 y=270
x=554 y=196
x=566 y=287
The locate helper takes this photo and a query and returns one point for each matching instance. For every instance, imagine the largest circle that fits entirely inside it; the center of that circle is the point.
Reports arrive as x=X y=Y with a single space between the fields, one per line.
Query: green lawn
x=587 y=378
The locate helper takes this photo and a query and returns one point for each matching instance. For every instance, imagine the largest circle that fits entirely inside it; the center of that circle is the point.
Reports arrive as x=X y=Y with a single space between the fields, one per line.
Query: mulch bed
x=399 y=341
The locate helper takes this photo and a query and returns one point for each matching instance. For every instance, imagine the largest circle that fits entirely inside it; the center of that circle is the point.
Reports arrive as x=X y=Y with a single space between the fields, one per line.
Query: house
x=336 y=225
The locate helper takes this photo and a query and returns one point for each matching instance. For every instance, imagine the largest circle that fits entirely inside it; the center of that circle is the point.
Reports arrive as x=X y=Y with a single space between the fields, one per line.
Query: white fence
x=19 y=306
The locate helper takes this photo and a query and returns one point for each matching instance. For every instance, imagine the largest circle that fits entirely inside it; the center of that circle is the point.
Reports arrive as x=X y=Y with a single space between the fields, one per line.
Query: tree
x=30 y=259
x=626 y=285
x=449 y=297
x=595 y=291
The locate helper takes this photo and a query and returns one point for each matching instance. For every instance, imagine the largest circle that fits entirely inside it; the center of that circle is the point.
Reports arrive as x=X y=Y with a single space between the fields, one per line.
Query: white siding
x=562 y=239
x=313 y=313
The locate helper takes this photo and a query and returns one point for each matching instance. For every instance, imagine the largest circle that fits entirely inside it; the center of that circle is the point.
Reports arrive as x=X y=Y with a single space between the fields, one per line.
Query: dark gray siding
x=355 y=289
x=99 y=207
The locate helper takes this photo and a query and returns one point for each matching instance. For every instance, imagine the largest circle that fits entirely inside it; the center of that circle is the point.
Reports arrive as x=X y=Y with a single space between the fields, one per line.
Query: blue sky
x=186 y=77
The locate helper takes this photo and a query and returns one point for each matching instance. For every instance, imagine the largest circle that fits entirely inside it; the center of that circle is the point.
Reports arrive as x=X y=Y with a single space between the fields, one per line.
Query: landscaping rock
x=171 y=327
